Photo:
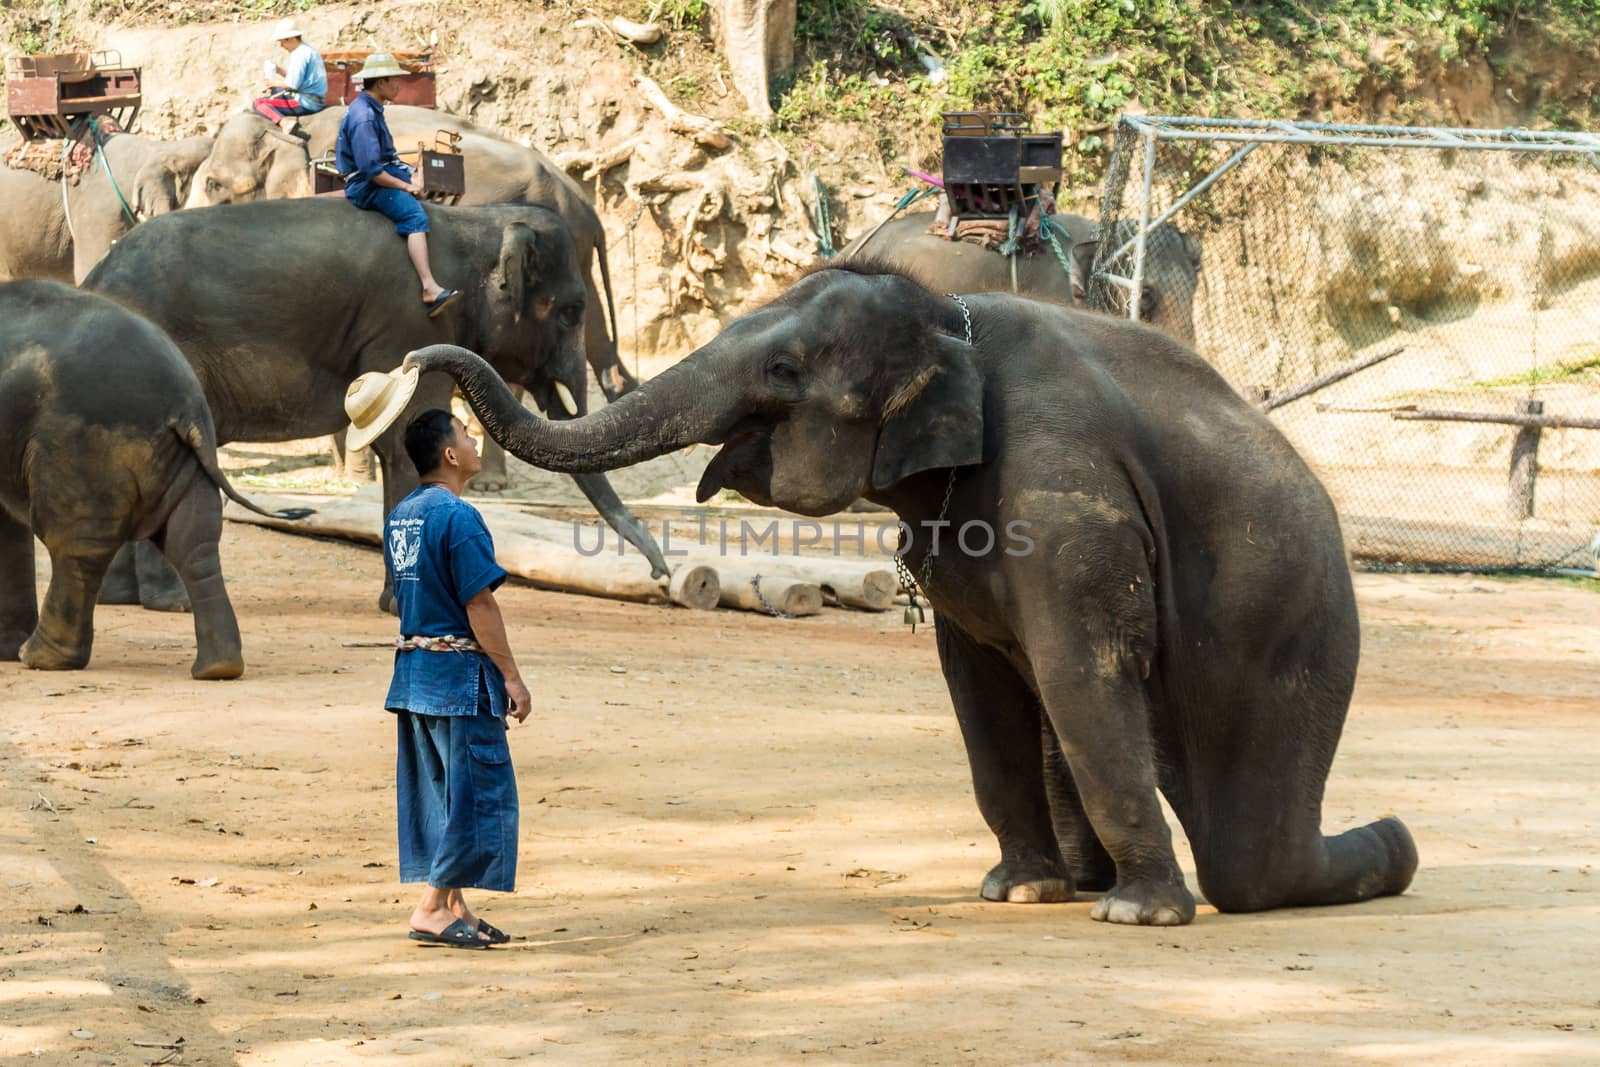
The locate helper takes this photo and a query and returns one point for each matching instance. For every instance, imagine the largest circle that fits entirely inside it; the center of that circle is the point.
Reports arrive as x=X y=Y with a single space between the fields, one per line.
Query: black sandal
x=457 y=935
x=497 y=936
x=442 y=301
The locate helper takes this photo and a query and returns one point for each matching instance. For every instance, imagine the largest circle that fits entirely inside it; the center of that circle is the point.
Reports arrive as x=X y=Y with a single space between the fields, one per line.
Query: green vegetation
x=679 y=14
x=1585 y=368
x=1076 y=64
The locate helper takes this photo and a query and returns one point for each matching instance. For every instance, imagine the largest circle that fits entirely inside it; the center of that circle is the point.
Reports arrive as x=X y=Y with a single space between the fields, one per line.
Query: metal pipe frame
x=1136 y=291
x=1179 y=204
x=1274 y=131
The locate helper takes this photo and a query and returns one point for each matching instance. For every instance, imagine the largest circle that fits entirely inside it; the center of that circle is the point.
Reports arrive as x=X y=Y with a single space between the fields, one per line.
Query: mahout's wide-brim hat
x=374 y=401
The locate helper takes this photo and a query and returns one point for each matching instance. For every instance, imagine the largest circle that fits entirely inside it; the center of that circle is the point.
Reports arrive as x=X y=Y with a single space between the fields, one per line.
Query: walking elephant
x=1172 y=265
x=43 y=237
x=253 y=160
x=278 y=305
x=1141 y=585
x=107 y=440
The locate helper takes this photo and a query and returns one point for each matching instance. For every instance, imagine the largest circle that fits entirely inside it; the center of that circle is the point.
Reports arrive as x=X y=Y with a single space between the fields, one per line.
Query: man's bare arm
x=489 y=630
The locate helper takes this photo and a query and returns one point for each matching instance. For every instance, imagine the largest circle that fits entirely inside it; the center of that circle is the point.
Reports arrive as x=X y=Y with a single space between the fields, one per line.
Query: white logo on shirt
x=405 y=545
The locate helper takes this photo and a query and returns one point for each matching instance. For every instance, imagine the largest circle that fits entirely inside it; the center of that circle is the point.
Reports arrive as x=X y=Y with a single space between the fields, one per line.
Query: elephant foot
x=218 y=669
x=175 y=601
x=489 y=483
x=1027 y=883
x=40 y=654
x=1142 y=902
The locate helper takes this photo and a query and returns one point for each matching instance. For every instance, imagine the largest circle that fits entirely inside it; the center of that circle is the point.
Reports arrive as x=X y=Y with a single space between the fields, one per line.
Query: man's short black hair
x=427 y=436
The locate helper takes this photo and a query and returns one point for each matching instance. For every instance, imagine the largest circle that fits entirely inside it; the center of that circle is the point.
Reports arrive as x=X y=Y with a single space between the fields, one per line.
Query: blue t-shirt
x=365 y=147
x=305 y=73
x=439 y=555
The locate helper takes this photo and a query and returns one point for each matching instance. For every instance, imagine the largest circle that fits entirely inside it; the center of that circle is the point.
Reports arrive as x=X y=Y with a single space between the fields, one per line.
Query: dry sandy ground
x=755 y=842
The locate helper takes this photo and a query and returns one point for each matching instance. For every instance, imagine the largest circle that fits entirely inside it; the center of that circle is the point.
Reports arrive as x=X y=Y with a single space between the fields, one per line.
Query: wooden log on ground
x=1266 y=402
x=1524 y=464
x=865 y=584
x=1544 y=422
x=695 y=585
x=852 y=585
x=542 y=562
x=754 y=589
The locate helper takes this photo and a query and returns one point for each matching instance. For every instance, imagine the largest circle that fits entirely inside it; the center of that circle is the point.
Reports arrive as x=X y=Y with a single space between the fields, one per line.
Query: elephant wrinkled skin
x=35 y=239
x=278 y=305
x=1182 y=619
x=107 y=440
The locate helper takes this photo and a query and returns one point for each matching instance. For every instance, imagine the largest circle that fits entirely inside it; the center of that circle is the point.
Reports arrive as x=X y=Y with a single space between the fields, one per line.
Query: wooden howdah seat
x=49 y=96
x=440 y=166
x=992 y=164
x=417 y=87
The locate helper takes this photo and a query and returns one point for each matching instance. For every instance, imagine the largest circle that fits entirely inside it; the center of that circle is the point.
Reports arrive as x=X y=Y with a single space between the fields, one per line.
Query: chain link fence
x=1419 y=310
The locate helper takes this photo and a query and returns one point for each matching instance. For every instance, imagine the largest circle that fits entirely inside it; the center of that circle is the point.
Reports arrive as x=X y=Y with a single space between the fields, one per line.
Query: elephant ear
x=934 y=419
x=155 y=191
x=518 y=271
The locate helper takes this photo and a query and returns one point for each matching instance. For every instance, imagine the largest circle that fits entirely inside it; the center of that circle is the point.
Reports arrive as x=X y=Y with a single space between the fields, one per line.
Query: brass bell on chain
x=914 y=615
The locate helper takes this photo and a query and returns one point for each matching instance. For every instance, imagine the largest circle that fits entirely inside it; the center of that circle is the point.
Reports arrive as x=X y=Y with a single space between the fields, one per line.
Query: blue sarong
x=457 y=799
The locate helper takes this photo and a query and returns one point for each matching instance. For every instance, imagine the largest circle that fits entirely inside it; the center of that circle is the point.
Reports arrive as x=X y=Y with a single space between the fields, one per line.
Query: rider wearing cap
x=297 y=87
x=376 y=180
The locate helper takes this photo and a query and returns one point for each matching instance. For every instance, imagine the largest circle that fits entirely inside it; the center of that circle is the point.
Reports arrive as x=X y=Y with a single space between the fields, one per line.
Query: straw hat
x=380 y=65
x=287 y=29
x=374 y=401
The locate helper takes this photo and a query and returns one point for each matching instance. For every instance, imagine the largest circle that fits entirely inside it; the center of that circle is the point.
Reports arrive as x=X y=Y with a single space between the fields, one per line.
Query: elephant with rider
x=1184 y=623
x=279 y=304
x=253 y=160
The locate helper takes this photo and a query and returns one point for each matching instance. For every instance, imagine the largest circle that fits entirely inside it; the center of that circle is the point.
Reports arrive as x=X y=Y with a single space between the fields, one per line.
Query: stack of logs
x=544 y=552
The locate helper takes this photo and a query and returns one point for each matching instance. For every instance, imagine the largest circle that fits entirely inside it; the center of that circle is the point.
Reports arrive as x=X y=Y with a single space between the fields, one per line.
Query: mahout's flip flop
x=457 y=935
x=442 y=301
x=497 y=936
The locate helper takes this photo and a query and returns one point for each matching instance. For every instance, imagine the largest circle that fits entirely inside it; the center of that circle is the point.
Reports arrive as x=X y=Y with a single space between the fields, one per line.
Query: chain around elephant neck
x=914 y=585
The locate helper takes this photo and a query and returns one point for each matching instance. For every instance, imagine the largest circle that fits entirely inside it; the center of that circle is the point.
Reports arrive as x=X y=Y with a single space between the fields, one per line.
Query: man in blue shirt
x=455 y=681
x=376 y=180
x=297 y=87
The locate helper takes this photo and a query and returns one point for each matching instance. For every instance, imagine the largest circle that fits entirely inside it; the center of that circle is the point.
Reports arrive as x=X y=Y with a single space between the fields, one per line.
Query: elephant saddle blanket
x=994 y=234
x=63 y=160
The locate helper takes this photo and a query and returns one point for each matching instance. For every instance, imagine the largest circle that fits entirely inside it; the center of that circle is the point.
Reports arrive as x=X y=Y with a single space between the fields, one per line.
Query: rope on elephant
x=911 y=196
x=100 y=150
x=1049 y=232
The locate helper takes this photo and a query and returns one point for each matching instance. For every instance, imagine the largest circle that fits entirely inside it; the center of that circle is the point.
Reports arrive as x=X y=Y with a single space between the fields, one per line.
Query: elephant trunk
x=681 y=406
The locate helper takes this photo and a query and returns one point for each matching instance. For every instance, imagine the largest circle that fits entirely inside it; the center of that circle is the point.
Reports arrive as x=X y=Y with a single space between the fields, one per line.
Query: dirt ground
x=753 y=840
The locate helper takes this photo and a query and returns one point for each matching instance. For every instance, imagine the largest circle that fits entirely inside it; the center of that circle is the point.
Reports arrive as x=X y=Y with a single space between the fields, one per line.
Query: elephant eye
x=572 y=314
x=783 y=372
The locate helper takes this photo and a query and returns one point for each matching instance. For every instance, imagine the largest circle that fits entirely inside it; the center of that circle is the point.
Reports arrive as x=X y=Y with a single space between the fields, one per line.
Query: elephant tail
x=204 y=446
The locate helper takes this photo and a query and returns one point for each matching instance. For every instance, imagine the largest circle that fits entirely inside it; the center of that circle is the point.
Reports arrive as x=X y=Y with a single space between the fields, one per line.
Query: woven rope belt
x=447 y=643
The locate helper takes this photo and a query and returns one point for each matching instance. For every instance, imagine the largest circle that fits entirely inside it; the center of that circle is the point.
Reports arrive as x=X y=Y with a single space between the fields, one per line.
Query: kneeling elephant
x=107 y=440
x=1176 y=615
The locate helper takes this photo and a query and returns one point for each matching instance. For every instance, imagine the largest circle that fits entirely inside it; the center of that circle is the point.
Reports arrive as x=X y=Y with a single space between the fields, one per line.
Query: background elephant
x=107 y=440
x=1172 y=265
x=35 y=239
x=278 y=305
x=253 y=160
x=1156 y=595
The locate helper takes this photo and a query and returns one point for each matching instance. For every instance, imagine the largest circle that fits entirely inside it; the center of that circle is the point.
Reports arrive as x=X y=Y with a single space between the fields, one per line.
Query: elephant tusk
x=566 y=398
